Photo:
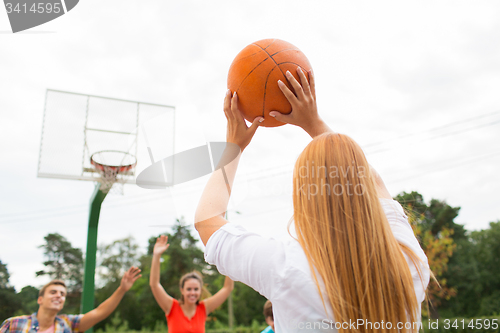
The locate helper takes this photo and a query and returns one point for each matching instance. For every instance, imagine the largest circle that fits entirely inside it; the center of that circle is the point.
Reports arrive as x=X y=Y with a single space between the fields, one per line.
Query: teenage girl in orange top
x=189 y=314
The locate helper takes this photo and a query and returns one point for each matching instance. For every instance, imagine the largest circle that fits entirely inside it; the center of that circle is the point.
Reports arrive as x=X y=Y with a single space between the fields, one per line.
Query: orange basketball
x=254 y=75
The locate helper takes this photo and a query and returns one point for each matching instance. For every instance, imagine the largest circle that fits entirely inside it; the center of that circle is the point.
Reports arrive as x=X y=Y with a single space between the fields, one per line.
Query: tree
x=248 y=305
x=487 y=243
x=464 y=275
x=8 y=301
x=28 y=299
x=4 y=276
x=66 y=263
x=438 y=250
x=435 y=216
x=63 y=261
x=116 y=258
x=434 y=227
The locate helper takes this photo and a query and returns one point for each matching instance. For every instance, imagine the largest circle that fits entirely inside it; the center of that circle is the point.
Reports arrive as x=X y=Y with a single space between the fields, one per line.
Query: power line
x=257 y=175
x=49 y=210
x=443 y=135
x=56 y=212
x=432 y=129
x=405 y=136
x=455 y=165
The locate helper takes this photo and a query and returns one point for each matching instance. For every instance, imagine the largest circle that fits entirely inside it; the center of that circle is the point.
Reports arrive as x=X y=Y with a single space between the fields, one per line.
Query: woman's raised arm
x=163 y=299
x=220 y=297
x=215 y=197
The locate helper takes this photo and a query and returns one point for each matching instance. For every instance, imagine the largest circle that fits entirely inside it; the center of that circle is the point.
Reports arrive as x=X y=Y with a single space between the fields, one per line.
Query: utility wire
x=460 y=163
x=432 y=129
x=442 y=135
x=455 y=165
x=257 y=175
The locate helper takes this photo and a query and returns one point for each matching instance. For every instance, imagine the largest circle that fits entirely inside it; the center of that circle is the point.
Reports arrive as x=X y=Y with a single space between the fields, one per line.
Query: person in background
x=189 y=313
x=268 y=315
x=51 y=301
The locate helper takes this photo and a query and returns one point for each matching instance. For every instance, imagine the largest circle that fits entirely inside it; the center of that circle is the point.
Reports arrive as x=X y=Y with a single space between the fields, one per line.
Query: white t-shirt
x=279 y=270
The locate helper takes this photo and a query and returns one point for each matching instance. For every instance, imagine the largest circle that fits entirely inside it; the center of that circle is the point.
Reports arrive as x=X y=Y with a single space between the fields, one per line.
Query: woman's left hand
x=237 y=130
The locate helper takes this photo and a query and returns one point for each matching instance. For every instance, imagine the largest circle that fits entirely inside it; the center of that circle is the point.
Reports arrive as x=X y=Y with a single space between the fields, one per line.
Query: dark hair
x=191 y=275
x=53 y=282
x=268 y=310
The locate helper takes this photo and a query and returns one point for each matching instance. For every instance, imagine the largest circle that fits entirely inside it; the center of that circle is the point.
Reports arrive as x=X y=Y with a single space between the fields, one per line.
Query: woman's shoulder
x=393 y=210
x=175 y=306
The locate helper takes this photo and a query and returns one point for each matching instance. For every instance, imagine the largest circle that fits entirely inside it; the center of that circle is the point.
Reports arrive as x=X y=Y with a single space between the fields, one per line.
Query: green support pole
x=90 y=256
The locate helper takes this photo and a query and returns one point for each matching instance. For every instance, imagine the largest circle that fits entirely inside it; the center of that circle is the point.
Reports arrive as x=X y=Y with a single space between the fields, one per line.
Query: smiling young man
x=51 y=300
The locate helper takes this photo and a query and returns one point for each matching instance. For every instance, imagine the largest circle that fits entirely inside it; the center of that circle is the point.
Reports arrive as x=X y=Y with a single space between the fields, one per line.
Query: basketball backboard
x=75 y=126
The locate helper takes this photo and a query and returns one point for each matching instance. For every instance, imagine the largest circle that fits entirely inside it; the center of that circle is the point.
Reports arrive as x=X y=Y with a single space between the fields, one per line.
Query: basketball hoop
x=110 y=164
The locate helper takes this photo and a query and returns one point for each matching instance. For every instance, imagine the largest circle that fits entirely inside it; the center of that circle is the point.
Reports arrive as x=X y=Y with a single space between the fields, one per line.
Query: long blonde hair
x=347 y=239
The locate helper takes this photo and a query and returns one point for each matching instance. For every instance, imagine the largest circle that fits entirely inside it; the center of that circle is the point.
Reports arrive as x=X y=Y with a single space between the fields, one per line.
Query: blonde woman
x=355 y=265
x=189 y=313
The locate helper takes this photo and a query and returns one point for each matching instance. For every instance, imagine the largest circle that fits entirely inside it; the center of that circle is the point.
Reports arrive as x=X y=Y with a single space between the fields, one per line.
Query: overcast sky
x=413 y=82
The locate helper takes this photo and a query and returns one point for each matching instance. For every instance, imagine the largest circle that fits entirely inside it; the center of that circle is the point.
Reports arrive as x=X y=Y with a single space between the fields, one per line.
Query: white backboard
x=77 y=125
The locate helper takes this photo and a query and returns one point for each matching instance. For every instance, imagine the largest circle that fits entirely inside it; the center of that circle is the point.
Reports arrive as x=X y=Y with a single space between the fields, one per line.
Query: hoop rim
x=115 y=168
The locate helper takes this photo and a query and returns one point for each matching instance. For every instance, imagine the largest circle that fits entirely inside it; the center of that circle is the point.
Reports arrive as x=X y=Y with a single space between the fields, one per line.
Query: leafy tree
x=487 y=243
x=8 y=301
x=435 y=229
x=66 y=263
x=434 y=216
x=248 y=305
x=116 y=258
x=463 y=275
x=473 y=271
x=62 y=261
x=4 y=276
x=438 y=251
x=28 y=298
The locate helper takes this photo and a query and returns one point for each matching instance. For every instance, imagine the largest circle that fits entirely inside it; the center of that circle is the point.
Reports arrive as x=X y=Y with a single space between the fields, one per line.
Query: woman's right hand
x=161 y=245
x=304 y=110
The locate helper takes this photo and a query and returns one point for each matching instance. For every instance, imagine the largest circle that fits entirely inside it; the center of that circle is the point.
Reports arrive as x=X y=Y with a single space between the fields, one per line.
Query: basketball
x=254 y=76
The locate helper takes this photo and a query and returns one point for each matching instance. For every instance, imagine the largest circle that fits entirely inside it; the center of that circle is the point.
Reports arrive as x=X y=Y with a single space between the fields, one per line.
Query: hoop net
x=112 y=165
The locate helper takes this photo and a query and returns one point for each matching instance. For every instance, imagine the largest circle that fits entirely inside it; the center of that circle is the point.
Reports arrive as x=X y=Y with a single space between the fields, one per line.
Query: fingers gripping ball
x=254 y=75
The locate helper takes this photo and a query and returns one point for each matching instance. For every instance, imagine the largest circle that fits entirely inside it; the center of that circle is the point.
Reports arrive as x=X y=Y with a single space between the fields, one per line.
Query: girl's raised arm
x=220 y=297
x=163 y=299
